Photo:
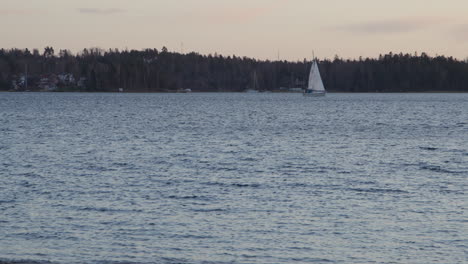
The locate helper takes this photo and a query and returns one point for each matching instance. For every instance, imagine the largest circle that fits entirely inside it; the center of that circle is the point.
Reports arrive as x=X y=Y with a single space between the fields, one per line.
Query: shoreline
x=268 y=92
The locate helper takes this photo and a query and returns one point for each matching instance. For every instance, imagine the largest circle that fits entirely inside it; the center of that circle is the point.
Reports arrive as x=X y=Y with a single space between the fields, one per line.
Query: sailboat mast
x=26 y=77
x=255 y=80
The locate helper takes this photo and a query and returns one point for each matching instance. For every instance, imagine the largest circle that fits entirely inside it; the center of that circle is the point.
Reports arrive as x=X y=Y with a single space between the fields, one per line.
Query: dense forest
x=153 y=70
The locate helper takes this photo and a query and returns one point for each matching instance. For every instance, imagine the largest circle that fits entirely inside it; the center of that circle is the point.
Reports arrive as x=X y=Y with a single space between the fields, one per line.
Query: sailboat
x=254 y=88
x=315 y=86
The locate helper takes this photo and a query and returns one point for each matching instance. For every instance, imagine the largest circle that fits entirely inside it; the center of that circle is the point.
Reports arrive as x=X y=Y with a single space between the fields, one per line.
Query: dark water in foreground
x=233 y=178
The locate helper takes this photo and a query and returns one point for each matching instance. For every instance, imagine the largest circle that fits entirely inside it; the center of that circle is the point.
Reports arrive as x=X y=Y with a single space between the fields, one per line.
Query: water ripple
x=220 y=178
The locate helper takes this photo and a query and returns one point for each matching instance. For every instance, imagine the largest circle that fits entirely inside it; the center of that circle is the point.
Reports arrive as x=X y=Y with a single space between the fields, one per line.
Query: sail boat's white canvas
x=315 y=80
x=315 y=86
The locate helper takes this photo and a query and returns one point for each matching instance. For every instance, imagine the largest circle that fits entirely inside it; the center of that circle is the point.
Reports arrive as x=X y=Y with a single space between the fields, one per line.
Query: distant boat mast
x=26 y=75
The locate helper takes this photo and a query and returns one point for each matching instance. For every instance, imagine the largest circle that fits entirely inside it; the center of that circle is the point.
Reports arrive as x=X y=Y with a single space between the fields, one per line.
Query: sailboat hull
x=314 y=93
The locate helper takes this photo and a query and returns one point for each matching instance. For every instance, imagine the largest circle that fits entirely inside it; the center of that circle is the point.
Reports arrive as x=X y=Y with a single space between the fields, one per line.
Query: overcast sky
x=253 y=28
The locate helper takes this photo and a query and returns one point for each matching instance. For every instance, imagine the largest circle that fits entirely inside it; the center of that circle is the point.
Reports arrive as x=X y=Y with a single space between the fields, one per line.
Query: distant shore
x=153 y=70
x=269 y=92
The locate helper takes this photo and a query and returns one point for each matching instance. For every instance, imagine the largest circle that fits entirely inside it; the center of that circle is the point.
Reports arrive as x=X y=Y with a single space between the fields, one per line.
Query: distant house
x=48 y=83
x=22 y=81
x=66 y=79
x=14 y=85
x=81 y=82
x=18 y=82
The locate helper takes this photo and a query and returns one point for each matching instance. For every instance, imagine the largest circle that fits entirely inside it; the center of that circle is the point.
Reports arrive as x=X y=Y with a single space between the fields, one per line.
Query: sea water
x=233 y=178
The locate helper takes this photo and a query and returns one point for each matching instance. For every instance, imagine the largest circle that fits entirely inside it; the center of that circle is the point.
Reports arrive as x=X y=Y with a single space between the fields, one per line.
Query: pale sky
x=252 y=28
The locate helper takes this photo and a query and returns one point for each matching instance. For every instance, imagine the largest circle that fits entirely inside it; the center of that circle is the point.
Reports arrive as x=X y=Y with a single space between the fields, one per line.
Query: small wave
x=362 y=182
x=120 y=164
x=226 y=169
x=428 y=148
x=215 y=183
x=30 y=175
x=313 y=260
x=460 y=192
x=251 y=185
x=249 y=159
x=240 y=185
x=98 y=168
x=299 y=248
x=439 y=169
x=297 y=184
x=188 y=236
x=43 y=236
x=6 y=165
x=221 y=168
x=313 y=186
x=321 y=169
x=103 y=209
x=174 y=260
x=377 y=190
x=209 y=210
x=27 y=184
x=8 y=261
x=189 y=197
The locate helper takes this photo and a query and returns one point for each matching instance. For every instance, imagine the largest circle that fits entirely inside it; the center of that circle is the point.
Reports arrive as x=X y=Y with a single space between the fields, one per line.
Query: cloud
x=389 y=26
x=100 y=11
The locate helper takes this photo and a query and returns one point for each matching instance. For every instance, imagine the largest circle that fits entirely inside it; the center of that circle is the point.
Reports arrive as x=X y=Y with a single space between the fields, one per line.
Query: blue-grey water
x=233 y=178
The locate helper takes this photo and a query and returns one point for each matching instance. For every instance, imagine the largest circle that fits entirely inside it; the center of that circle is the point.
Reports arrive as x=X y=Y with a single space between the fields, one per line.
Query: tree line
x=152 y=70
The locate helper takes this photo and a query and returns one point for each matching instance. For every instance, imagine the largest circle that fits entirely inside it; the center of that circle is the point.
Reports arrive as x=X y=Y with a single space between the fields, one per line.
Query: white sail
x=315 y=81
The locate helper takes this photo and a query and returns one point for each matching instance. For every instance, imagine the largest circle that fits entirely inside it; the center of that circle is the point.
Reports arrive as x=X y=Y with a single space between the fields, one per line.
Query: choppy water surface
x=233 y=178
